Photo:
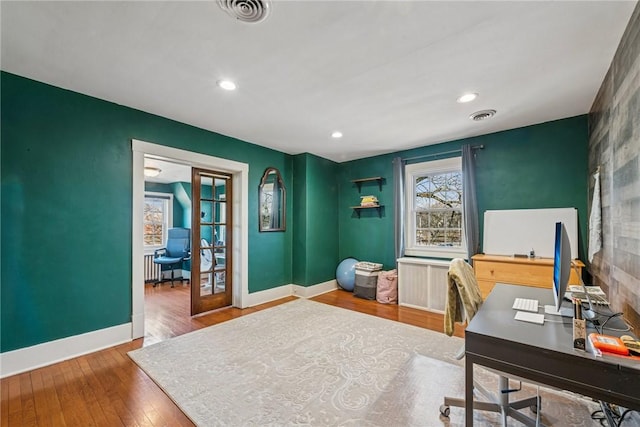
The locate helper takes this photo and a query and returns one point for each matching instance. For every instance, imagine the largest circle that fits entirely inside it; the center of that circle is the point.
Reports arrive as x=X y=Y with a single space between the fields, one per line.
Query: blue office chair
x=177 y=251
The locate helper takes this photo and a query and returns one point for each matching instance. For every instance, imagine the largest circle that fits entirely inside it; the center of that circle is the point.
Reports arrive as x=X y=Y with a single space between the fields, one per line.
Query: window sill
x=437 y=253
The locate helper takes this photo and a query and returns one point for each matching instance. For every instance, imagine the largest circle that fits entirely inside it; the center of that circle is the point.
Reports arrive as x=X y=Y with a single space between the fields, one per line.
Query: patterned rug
x=307 y=363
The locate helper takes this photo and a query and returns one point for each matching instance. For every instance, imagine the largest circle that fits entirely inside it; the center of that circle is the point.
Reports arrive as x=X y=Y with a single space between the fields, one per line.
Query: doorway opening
x=167 y=256
x=236 y=229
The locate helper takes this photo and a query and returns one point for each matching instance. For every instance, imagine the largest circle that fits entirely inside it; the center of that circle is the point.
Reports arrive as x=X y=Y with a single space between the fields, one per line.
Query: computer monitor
x=561 y=268
x=562 y=264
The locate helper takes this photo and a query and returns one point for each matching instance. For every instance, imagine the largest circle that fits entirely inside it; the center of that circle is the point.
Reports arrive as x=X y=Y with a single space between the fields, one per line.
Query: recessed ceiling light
x=467 y=97
x=227 y=84
x=336 y=135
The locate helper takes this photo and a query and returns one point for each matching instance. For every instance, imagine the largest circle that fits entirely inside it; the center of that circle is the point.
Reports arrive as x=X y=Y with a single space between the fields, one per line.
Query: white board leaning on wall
x=518 y=231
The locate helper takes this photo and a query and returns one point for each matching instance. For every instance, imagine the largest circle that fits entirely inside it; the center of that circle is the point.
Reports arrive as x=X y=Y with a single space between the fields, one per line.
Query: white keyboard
x=524 y=304
x=529 y=317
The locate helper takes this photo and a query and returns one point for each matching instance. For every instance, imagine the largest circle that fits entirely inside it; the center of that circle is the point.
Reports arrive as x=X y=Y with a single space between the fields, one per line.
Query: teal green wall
x=299 y=222
x=66 y=195
x=315 y=239
x=370 y=236
x=66 y=209
x=540 y=166
x=182 y=194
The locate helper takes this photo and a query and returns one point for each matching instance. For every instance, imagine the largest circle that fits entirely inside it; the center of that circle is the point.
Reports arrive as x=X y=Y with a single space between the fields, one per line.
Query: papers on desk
x=596 y=294
x=593 y=290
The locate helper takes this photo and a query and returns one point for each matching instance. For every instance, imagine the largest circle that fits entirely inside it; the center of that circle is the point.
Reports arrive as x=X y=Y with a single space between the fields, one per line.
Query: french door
x=211 y=259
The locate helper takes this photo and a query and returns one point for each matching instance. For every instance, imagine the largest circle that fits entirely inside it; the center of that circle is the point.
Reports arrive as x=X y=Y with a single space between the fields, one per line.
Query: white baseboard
x=284 y=291
x=314 y=290
x=420 y=307
x=28 y=358
x=48 y=353
x=137 y=326
x=268 y=295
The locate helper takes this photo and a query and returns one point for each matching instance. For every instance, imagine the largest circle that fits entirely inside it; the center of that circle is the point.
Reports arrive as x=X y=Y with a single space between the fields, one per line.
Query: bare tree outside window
x=154 y=221
x=438 y=209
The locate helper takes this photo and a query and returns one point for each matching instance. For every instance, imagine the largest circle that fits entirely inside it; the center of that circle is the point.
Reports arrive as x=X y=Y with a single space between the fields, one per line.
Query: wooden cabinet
x=538 y=272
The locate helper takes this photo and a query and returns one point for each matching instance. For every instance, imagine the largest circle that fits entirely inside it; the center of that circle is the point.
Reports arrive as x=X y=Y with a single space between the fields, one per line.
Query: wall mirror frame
x=272 y=199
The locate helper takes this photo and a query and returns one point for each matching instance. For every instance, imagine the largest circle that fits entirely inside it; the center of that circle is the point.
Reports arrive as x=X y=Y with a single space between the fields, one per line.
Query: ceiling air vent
x=251 y=11
x=482 y=115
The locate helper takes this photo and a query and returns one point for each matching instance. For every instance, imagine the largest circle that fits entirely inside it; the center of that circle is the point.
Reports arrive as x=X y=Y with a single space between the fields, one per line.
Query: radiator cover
x=422 y=283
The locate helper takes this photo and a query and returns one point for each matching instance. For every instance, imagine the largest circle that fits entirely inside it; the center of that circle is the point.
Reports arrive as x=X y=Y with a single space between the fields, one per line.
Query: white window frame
x=149 y=249
x=411 y=172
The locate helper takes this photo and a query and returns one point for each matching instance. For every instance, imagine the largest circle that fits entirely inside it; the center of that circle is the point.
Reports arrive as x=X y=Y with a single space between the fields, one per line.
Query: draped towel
x=595 y=220
x=463 y=294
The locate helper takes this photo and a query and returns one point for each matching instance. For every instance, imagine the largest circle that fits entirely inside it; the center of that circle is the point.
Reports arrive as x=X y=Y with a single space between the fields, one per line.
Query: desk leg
x=468 y=392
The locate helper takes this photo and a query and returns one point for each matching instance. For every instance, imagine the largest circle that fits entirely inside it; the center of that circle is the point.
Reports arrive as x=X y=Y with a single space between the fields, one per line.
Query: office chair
x=463 y=301
x=178 y=250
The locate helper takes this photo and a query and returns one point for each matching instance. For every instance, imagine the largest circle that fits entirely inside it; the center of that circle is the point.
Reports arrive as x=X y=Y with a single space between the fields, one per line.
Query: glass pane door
x=211 y=270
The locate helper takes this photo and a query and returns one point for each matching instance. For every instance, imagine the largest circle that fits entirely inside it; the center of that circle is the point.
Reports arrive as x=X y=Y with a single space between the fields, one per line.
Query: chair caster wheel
x=445 y=410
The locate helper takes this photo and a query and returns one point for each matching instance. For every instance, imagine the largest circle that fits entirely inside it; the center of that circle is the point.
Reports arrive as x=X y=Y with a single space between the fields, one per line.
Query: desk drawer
x=537 y=272
x=533 y=275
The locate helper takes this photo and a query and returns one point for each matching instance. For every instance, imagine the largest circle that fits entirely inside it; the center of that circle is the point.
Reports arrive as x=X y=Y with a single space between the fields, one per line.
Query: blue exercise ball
x=346 y=273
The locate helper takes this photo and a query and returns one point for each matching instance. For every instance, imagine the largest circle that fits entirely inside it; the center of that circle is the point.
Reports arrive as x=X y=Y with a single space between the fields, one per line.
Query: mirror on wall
x=272 y=197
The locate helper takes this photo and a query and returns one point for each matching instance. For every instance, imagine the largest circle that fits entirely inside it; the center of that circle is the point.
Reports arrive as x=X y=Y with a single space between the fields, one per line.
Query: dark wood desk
x=543 y=353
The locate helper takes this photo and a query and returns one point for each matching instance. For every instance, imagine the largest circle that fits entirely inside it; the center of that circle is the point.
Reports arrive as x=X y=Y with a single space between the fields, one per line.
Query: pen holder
x=579 y=327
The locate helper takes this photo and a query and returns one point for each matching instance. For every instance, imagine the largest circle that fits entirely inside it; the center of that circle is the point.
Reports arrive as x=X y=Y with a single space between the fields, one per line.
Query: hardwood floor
x=106 y=388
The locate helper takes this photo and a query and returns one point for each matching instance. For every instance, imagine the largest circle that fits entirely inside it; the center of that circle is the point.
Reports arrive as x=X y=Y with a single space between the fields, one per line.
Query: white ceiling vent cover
x=251 y=11
x=482 y=115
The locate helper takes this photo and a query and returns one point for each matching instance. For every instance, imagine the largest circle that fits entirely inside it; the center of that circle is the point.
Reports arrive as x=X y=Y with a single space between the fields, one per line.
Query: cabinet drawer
x=532 y=275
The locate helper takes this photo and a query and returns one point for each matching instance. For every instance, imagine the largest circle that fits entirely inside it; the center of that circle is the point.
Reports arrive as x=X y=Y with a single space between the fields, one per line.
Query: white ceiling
x=386 y=74
x=169 y=171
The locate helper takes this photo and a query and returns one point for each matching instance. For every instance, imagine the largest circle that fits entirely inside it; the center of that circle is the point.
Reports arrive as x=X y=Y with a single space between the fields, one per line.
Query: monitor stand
x=564 y=311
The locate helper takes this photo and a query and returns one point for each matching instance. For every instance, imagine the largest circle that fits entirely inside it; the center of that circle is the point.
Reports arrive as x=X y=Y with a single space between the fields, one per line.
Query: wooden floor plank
x=84 y=385
x=107 y=388
x=115 y=390
x=155 y=404
x=15 y=401
x=131 y=393
x=51 y=395
x=40 y=397
x=408 y=315
x=28 y=403
x=100 y=407
x=74 y=410
x=4 y=402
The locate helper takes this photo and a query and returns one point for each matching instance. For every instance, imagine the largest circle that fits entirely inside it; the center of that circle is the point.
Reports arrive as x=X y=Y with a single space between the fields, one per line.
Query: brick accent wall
x=614 y=146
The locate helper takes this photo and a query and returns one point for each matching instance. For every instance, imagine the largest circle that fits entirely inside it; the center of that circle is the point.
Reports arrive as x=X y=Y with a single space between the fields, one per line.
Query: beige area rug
x=307 y=363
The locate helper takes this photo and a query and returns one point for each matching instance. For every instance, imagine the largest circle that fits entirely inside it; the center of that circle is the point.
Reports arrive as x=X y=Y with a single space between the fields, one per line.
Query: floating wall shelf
x=357 y=209
x=359 y=182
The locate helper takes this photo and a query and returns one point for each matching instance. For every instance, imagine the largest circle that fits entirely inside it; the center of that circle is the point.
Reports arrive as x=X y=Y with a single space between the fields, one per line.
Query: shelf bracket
x=359 y=182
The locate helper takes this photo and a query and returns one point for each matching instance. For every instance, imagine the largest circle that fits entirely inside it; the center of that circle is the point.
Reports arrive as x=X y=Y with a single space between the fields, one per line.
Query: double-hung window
x=157 y=219
x=433 y=197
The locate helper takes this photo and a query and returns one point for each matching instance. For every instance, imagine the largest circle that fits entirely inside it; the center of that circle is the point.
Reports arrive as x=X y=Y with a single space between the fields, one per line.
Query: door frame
x=240 y=230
